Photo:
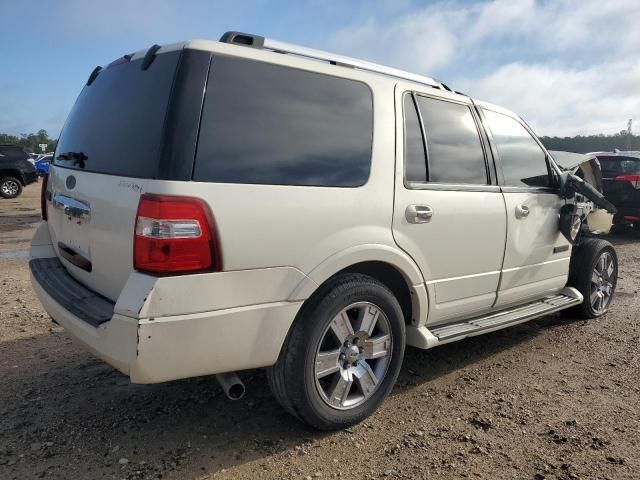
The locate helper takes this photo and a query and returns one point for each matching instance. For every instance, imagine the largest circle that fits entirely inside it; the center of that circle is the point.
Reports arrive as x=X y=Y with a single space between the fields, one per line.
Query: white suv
x=220 y=206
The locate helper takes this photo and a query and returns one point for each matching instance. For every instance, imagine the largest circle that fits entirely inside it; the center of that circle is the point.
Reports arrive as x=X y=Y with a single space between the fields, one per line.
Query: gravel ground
x=556 y=398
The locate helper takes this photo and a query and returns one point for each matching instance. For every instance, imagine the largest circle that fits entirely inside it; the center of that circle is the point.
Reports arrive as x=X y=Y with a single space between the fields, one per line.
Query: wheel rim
x=353 y=355
x=602 y=282
x=10 y=187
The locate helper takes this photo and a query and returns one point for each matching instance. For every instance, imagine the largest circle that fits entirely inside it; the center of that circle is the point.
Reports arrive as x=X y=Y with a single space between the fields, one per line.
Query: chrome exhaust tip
x=231 y=385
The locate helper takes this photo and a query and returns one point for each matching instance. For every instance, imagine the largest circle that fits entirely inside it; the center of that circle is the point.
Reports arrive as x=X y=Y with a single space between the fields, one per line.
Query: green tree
x=30 y=141
x=593 y=143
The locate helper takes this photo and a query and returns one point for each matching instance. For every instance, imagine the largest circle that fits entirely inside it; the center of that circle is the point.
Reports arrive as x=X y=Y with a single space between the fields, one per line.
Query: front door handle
x=418 y=214
x=522 y=211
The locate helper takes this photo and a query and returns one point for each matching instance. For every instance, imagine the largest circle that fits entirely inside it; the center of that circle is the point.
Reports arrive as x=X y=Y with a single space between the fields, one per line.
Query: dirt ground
x=555 y=398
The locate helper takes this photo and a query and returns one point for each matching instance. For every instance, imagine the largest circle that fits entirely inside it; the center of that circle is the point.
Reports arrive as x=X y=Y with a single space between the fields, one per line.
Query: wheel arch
x=13 y=173
x=394 y=268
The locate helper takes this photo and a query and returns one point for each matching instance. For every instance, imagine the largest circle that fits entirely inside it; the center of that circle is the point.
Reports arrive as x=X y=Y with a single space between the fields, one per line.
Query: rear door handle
x=522 y=211
x=418 y=214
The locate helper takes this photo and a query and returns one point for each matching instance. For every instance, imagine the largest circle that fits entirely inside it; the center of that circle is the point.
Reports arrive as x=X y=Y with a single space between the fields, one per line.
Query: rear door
x=112 y=148
x=536 y=260
x=448 y=214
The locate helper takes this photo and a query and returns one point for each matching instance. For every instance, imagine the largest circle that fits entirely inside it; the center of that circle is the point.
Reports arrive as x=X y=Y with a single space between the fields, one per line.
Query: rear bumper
x=152 y=348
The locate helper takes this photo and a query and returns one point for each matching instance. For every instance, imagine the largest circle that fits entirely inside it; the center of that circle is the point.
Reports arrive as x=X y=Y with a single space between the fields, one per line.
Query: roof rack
x=256 y=41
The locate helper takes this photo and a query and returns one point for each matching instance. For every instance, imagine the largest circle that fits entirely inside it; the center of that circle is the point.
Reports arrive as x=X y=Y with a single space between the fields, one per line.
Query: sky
x=567 y=66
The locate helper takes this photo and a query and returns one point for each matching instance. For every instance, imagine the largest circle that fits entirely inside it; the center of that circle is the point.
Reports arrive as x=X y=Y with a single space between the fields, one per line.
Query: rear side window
x=116 y=124
x=454 y=153
x=523 y=162
x=268 y=124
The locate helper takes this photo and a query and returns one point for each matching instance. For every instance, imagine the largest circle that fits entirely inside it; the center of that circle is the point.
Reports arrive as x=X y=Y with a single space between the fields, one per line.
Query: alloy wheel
x=10 y=187
x=602 y=282
x=353 y=355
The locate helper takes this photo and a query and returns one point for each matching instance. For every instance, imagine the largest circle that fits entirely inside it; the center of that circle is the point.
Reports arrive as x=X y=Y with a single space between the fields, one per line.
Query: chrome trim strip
x=71 y=207
x=452 y=187
x=563 y=259
x=525 y=189
x=463 y=277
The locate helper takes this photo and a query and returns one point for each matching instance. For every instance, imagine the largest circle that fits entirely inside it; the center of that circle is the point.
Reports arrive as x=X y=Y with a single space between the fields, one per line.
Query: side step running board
x=427 y=338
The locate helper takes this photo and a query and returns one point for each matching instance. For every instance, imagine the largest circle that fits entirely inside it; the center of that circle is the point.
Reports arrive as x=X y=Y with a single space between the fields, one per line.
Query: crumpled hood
x=585 y=166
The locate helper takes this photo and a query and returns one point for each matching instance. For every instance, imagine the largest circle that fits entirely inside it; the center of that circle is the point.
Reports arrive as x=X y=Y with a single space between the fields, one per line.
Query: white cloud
x=557 y=101
x=425 y=40
x=566 y=66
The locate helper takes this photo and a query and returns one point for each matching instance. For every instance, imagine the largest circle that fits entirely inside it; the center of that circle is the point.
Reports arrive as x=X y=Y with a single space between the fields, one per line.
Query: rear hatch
x=621 y=182
x=114 y=144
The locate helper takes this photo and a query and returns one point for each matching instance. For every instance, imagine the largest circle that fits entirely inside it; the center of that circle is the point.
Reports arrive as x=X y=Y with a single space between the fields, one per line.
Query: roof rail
x=256 y=41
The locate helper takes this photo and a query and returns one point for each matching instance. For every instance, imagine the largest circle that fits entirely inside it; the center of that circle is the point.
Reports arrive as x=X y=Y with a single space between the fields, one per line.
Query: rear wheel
x=343 y=355
x=10 y=187
x=594 y=272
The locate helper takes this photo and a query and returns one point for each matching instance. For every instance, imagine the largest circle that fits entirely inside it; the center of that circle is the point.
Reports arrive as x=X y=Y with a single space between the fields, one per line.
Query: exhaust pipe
x=232 y=385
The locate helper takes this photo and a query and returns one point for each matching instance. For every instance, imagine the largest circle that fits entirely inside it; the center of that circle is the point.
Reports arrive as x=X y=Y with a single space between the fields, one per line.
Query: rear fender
x=369 y=253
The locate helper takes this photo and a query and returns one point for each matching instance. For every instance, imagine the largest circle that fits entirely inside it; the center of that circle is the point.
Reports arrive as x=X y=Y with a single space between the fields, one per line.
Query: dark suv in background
x=16 y=171
x=621 y=184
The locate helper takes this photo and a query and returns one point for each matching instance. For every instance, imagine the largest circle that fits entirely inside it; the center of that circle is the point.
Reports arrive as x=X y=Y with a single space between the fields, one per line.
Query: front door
x=448 y=216
x=536 y=260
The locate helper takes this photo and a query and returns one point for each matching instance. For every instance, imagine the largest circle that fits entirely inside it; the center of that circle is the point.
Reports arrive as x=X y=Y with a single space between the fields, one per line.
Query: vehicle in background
x=621 y=184
x=42 y=164
x=16 y=172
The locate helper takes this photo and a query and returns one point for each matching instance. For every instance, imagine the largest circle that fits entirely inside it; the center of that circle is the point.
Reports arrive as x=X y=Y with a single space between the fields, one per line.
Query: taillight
x=175 y=234
x=43 y=197
x=633 y=178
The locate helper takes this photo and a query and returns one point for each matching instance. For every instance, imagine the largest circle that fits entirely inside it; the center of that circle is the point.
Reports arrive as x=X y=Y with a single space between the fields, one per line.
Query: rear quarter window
x=269 y=124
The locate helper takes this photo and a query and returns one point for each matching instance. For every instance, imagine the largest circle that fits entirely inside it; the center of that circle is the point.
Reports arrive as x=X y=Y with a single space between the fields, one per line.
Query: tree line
x=593 y=143
x=30 y=141
x=580 y=143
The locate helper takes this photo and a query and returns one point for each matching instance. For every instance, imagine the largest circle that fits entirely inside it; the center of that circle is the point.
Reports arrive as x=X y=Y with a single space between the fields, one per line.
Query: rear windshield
x=613 y=166
x=116 y=124
x=269 y=124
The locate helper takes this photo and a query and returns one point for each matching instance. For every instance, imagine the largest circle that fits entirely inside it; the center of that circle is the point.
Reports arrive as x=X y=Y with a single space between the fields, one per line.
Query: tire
x=303 y=386
x=584 y=276
x=10 y=187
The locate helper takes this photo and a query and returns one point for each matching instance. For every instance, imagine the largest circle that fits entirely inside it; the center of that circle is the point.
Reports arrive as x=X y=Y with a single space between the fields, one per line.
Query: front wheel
x=10 y=187
x=594 y=272
x=343 y=354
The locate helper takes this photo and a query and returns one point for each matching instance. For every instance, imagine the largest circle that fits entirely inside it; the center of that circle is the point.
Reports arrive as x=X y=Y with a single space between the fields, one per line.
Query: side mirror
x=570 y=222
